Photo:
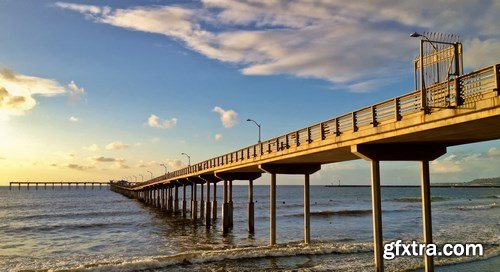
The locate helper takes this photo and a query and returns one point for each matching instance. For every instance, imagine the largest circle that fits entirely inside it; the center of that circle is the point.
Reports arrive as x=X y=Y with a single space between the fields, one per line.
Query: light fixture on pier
x=164 y=167
x=151 y=174
x=189 y=158
x=257 y=124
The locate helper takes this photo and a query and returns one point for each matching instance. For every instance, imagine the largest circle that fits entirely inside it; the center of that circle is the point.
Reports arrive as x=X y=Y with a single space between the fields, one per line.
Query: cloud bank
x=353 y=44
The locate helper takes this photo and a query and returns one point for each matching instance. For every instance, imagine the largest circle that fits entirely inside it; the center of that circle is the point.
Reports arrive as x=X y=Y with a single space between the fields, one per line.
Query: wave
x=331 y=213
x=73 y=215
x=478 y=207
x=490 y=196
x=203 y=256
x=419 y=199
x=74 y=226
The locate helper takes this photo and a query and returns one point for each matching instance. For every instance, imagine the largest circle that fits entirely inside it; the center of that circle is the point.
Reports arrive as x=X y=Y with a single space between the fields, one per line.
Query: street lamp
x=151 y=174
x=164 y=167
x=257 y=124
x=189 y=158
x=135 y=178
x=142 y=177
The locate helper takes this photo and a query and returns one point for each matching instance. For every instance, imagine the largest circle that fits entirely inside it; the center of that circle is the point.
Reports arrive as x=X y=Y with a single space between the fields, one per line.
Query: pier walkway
x=417 y=126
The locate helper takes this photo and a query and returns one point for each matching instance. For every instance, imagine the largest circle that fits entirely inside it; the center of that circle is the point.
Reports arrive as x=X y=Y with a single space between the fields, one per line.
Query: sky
x=100 y=90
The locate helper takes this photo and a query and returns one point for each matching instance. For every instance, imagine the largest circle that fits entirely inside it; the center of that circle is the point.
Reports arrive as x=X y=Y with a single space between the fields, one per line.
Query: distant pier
x=58 y=184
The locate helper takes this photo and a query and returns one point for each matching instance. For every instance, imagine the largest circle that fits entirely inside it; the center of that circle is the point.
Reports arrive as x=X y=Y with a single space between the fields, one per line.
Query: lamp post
x=142 y=177
x=135 y=178
x=164 y=167
x=257 y=124
x=189 y=158
x=151 y=173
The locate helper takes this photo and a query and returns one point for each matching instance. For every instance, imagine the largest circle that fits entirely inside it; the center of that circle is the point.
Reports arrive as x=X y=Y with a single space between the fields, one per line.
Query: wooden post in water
x=208 y=218
x=272 y=210
x=426 y=213
x=45 y=186
x=28 y=188
x=307 y=221
x=250 y=208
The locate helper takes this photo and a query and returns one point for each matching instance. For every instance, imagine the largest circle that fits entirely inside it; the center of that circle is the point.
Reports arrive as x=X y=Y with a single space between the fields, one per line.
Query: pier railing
x=456 y=93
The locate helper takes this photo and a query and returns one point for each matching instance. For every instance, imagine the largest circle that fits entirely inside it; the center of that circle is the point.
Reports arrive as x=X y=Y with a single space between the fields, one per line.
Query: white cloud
x=92 y=148
x=218 y=137
x=143 y=164
x=229 y=118
x=173 y=165
x=106 y=159
x=73 y=119
x=117 y=145
x=75 y=93
x=18 y=92
x=155 y=122
x=346 y=42
x=73 y=166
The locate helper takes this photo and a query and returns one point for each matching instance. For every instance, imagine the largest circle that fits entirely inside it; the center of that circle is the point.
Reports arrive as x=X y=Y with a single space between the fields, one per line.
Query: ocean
x=99 y=230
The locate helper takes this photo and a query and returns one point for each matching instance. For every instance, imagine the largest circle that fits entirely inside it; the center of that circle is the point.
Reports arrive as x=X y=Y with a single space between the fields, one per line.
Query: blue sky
x=90 y=76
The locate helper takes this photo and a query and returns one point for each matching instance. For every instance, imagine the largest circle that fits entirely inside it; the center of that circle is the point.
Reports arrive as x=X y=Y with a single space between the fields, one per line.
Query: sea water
x=97 y=229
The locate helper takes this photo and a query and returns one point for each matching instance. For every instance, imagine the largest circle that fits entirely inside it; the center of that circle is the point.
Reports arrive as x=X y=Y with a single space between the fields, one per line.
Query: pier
x=417 y=126
x=57 y=184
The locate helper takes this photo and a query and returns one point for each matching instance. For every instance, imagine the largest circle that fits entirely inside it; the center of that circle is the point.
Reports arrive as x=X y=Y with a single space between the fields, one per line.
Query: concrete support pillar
x=170 y=199
x=307 y=221
x=184 y=200
x=377 y=216
x=426 y=213
x=250 y=208
x=202 y=203
x=230 y=202
x=207 y=207
x=214 y=203
x=176 y=198
x=225 y=208
x=194 y=205
x=272 y=210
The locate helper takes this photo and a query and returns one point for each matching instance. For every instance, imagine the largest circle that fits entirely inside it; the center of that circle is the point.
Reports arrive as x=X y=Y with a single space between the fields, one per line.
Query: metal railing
x=471 y=88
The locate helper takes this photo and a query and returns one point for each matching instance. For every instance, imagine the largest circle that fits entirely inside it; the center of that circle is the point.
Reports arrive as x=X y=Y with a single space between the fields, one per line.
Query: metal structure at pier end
x=464 y=109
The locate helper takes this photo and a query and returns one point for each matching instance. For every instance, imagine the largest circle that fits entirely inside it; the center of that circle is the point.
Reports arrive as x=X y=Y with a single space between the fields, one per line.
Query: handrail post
x=353 y=117
x=374 y=116
x=397 y=115
x=497 y=79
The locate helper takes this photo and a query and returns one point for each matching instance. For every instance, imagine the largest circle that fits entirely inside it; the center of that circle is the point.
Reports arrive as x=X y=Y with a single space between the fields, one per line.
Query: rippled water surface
x=101 y=230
